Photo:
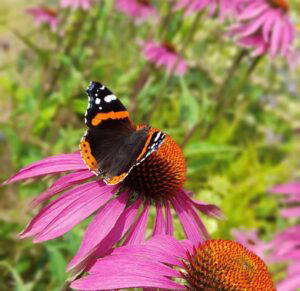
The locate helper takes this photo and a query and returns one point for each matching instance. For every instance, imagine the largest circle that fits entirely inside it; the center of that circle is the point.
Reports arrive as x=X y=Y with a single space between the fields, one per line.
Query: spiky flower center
x=161 y=175
x=169 y=47
x=283 y=4
x=226 y=265
x=49 y=11
x=144 y=2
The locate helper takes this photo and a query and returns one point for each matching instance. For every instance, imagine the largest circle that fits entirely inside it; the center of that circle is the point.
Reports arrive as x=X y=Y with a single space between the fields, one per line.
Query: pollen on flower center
x=283 y=4
x=226 y=265
x=162 y=174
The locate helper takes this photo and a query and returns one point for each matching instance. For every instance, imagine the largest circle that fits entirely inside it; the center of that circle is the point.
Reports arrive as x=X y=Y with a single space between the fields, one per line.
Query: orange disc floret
x=226 y=265
x=283 y=4
x=161 y=174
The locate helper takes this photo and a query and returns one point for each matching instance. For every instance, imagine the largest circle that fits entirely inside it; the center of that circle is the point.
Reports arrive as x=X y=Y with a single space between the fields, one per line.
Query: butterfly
x=113 y=145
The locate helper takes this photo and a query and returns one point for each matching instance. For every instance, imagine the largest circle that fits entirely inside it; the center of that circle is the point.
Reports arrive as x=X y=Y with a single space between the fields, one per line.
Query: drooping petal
x=137 y=232
x=62 y=184
x=169 y=219
x=159 y=226
x=50 y=165
x=207 y=209
x=100 y=226
x=190 y=226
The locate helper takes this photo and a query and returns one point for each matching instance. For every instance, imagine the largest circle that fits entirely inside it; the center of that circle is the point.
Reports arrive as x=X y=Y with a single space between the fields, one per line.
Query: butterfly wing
x=112 y=144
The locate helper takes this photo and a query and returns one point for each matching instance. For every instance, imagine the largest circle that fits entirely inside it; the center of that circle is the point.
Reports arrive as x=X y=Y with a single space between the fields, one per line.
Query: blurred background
x=235 y=113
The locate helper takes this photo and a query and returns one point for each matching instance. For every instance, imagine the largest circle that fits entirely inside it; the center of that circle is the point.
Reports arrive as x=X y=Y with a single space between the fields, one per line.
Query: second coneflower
x=164 y=262
x=120 y=172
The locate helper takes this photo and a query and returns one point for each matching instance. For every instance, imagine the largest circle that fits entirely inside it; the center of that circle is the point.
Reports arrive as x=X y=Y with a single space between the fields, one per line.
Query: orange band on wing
x=109 y=115
x=152 y=131
x=87 y=156
x=116 y=179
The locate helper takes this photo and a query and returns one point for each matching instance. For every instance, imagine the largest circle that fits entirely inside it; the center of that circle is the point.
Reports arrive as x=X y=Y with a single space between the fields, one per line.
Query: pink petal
x=62 y=184
x=148 y=251
x=169 y=219
x=190 y=226
x=119 y=230
x=276 y=37
x=137 y=232
x=135 y=265
x=159 y=226
x=290 y=212
x=167 y=244
x=207 y=209
x=53 y=209
x=95 y=282
x=253 y=11
x=289 y=284
x=75 y=212
x=289 y=188
x=51 y=165
x=100 y=226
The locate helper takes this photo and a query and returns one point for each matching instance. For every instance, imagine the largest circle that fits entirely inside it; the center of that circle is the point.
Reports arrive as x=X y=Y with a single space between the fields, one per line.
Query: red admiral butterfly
x=112 y=146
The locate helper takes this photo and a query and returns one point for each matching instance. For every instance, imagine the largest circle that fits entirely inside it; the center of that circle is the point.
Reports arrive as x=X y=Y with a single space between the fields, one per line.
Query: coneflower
x=142 y=167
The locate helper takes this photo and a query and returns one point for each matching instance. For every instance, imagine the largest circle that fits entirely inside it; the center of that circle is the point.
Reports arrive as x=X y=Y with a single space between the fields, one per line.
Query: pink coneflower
x=222 y=7
x=139 y=10
x=165 y=55
x=251 y=241
x=265 y=26
x=286 y=244
x=285 y=248
x=163 y=262
x=121 y=210
x=44 y=15
x=291 y=192
x=76 y=4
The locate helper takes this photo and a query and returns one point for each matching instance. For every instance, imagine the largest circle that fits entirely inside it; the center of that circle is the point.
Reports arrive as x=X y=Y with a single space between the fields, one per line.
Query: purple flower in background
x=292 y=196
x=139 y=10
x=222 y=7
x=264 y=25
x=286 y=248
x=198 y=266
x=116 y=207
x=76 y=4
x=164 y=55
x=250 y=240
x=286 y=244
x=44 y=15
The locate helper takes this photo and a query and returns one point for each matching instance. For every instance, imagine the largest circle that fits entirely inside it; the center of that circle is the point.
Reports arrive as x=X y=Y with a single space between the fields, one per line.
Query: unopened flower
x=76 y=4
x=44 y=15
x=138 y=10
x=155 y=172
x=163 y=262
x=264 y=25
x=165 y=55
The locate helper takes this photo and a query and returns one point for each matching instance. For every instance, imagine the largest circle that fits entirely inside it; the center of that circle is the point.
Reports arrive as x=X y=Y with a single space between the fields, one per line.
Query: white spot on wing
x=110 y=98
x=102 y=88
x=97 y=101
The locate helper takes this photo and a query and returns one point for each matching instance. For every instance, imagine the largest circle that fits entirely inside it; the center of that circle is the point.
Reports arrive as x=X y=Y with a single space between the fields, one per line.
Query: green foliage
x=238 y=142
